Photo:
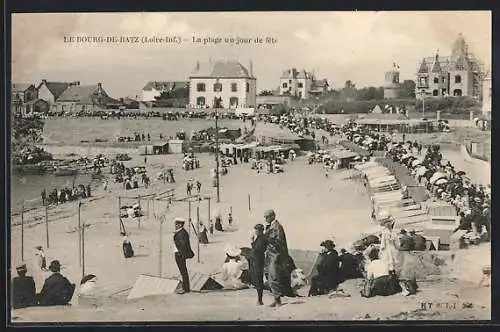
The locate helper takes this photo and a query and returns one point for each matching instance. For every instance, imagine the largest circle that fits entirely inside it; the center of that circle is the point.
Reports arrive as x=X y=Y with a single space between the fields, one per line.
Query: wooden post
x=209 y=216
x=22 y=230
x=83 y=249
x=80 y=236
x=46 y=225
x=161 y=246
x=119 y=213
x=249 y=206
x=189 y=218
x=198 y=230
x=140 y=210
x=231 y=210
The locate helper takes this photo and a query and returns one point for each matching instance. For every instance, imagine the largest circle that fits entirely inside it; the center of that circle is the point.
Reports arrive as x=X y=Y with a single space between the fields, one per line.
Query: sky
x=338 y=46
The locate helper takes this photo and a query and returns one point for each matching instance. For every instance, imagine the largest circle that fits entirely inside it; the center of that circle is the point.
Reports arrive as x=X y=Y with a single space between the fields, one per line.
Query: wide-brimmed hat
x=232 y=251
x=87 y=278
x=179 y=221
x=328 y=244
x=55 y=266
x=21 y=268
x=39 y=247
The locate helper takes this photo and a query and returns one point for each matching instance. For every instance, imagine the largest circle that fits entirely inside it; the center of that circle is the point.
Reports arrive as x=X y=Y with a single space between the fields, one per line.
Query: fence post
x=80 y=236
x=22 y=230
x=249 y=206
x=140 y=210
x=119 y=213
x=46 y=225
x=198 y=230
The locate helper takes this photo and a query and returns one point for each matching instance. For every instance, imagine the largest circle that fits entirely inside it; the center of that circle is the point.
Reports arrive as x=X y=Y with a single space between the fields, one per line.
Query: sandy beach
x=311 y=208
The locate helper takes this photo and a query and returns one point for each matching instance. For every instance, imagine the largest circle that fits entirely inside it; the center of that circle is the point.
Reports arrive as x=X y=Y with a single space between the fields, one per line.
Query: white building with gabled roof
x=230 y=81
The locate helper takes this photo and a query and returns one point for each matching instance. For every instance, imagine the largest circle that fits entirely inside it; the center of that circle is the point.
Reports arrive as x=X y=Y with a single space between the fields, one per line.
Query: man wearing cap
x=57 y=290
x=23 y=289
x=182 y=252
x=276 y=257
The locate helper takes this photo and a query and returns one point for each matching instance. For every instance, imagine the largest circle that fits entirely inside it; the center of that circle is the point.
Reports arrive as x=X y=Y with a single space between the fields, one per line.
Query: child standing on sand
x=42 y=261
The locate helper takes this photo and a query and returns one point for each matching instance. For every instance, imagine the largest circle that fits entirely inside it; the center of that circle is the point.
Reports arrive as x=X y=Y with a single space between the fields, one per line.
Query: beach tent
x=305 y=260
x=147 y=285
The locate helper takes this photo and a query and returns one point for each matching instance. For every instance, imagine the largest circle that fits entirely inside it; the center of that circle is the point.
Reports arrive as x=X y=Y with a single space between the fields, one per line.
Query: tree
x=407 y=89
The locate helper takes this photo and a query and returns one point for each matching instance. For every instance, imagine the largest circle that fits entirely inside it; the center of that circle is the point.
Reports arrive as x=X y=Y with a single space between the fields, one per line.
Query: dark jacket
x=181 y=240
x=57 y=290
x=405 y=242
x=418 y=242
x=23 y=292
x=349 y=266
x=257 y=261
x=326 y=276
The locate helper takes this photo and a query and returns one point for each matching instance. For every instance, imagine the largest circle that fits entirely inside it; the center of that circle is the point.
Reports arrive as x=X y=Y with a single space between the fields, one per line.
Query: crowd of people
x=442 y=180
x=66 y=194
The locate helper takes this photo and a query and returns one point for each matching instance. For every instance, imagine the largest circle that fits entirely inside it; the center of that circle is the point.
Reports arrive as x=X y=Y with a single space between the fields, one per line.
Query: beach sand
x=311 y=208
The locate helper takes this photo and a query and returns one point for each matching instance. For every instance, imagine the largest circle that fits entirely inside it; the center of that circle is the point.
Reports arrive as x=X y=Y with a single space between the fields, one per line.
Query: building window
x=234 y=87
x=443 y=79
x=300 y=85
x=200 y=101
x=233 y=101
x=435 y=93
x=200 y=87
x=436 y=80
x=457 y=92
x=423 y=82
x=290 y=81
x=217 y=87
x=248 y=87
x=458 y=79
x=285 y=85
x=443 y=92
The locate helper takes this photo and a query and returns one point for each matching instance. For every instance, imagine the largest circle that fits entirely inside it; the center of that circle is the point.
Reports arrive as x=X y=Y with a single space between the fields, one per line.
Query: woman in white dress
x=233 y=269
x=389 y=252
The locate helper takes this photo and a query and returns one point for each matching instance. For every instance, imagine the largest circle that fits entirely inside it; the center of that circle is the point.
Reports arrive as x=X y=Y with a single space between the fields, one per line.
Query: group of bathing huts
x=395 y=193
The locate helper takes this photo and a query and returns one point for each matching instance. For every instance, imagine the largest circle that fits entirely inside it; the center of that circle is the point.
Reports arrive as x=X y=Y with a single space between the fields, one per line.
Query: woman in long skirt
x=389 y=252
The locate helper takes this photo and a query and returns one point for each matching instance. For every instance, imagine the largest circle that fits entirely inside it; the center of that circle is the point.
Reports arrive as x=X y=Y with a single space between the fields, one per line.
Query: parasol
x=441 y=181
x=416 y=162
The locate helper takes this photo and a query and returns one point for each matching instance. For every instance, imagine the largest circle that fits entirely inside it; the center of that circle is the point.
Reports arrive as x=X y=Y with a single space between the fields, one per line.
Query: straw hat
x=179 y=220
x=232 y=251
x=21 y=268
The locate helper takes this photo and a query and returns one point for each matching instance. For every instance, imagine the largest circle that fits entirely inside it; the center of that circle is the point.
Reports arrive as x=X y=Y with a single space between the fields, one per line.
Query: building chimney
x=44 y=81
x=99 y=85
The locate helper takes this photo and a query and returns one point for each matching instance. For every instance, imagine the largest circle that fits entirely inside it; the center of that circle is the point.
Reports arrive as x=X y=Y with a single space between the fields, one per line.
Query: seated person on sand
x=235 y=269
x=378 y=281
x=23 y=289
x=326 y=277
x=349 y=266
x=87 y=284
x=57 y=290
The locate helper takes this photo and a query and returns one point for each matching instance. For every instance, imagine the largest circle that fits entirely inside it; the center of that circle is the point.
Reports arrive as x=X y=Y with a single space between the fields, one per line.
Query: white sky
x=359 y=46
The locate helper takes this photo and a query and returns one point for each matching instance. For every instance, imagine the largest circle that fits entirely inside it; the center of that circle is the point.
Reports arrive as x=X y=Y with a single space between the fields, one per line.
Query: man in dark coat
x=348 y=266
x=405 y=241
x=257 y=261
x=57 y=290
x=276 y=257
x=418 y=241
x=183 y=252
x=326 y=277
x=23 y=289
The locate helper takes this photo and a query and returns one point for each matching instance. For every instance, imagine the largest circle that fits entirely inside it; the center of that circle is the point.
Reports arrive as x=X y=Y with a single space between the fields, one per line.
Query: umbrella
x=441 y=181
x=436 y=177
x=416 y=162
x=461 y=173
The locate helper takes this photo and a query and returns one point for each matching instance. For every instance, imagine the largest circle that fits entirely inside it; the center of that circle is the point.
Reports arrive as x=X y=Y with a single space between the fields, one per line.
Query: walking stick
x=198 y=230
x=79 y=236
x=46 y=225
x=22 y=231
